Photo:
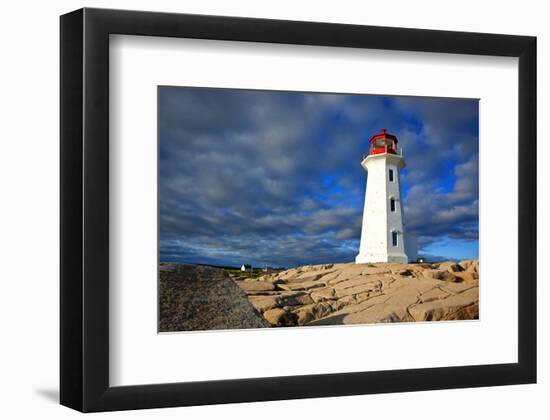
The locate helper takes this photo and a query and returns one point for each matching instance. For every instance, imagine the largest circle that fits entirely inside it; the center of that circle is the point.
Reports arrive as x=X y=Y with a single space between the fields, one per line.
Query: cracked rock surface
x=334 y=294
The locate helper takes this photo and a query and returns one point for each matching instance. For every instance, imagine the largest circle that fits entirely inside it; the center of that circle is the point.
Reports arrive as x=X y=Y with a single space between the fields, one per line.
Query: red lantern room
x=383 y=143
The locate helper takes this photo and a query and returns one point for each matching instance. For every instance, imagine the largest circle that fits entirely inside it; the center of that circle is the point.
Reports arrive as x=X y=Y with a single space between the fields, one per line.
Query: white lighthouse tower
x=382 y=234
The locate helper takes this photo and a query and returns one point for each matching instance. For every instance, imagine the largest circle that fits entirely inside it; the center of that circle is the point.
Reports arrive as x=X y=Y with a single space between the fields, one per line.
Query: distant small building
x=246 y=267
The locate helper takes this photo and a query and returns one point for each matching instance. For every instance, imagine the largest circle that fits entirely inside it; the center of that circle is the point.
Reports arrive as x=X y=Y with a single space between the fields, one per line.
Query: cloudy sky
x=274 y=178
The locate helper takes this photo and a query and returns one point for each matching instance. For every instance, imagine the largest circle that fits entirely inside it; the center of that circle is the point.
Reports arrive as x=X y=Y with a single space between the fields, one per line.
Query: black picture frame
x=84 y=127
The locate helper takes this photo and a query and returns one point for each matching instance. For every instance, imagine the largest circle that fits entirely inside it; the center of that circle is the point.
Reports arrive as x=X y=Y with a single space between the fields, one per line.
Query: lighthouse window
x=390 y=174
x=392 y=204
x=394 y=238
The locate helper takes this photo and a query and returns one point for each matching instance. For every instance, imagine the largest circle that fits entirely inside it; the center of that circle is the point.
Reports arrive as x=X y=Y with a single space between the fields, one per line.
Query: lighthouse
x=382 y=234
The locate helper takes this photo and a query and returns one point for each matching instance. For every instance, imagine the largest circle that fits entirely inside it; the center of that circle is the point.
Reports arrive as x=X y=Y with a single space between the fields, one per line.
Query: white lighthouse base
x=381 y=258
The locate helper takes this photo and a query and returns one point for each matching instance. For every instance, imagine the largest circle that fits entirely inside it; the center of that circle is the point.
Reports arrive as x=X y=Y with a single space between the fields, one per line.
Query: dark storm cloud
x=274 y=178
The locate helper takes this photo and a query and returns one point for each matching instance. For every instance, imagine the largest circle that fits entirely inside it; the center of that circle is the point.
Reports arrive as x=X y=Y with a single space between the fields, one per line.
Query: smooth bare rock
x=369 y=293
x=360 y=297
x=336 y=305
x=271 y=278
x=322 y=309
x=280 y=318
x=350 y=291
x=461 y=306
x=383 y=315
x=307 y=268
x=347 y=300
x=308 y=276
x=256 y=286
x=466 y=276
x=294 y=299
x=319 y=295
x=368 y=270
x=444 y=275
x=470 y=265
x=358 y=281
x=330 y=276
x=308 y=313
x=433 y=294
x=379 y=309
x=305 y=314
x=288 y=287
x=407 y=273
x=420 y=267
x=307 y=285
x=455 y=288
x=263 y=303
x=450 y=266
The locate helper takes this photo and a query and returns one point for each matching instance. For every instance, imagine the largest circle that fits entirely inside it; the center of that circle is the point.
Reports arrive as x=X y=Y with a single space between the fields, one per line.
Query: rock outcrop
x=334 y=294
x=204 y=298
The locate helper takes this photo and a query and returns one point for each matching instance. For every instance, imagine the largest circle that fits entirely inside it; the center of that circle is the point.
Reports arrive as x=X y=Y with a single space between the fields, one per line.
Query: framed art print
x=258 y=209
x=273 y=207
